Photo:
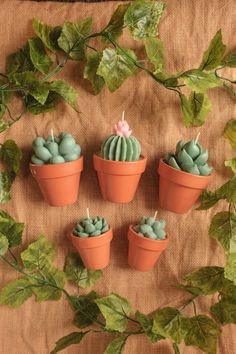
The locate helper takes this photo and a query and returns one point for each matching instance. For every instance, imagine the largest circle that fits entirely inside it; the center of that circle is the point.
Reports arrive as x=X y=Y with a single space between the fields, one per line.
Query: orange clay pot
x=59 y=183
x=118 y=180
x=144 y=252
x=94 y=251
x=178 y=190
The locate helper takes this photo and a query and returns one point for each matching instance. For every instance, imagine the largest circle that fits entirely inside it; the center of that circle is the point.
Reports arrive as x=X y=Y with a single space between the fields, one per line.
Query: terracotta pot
x=144 y=252
x=178 y=190
x=59 y=183
x=94 y=251
x=118 y=180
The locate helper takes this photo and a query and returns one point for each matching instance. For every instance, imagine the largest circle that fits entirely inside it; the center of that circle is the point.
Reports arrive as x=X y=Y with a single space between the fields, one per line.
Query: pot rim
x=92 y=242
x=119 y=167
x=147 y=243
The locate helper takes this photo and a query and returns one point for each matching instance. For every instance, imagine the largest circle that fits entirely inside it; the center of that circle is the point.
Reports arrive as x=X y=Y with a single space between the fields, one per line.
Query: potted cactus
x=92 y=237
x=119 y=165
x=147 y=240
x=56 y=165
x=183 y=176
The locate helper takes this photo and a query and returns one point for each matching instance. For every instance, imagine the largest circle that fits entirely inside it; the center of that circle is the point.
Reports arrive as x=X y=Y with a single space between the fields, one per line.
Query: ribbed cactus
x=151 y=228
x=121 y=145
x=90 y=227
x=189 y=157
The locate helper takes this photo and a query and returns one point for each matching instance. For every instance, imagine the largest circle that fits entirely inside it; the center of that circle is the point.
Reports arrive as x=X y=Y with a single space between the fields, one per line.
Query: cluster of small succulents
x=90 y=227
x=55 y=150
x=151 y=228
x=189 y=157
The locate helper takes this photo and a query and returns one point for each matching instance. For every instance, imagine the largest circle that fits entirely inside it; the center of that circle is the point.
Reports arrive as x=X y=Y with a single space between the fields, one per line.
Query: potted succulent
x=56 y=165
x=183 y=176
x=92 y=237
x=119 y=165
x=147 y=240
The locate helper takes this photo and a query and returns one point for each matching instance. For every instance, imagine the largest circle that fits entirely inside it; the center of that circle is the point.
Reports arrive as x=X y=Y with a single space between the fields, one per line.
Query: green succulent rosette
x=151 y=228
x=90 y=227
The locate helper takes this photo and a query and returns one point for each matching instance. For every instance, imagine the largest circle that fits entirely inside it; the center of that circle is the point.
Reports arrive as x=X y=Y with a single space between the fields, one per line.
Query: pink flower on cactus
x=122 y=128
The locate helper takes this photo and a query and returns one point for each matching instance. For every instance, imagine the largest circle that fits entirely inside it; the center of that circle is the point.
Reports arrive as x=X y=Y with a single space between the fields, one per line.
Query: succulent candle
x=55 y=149
x=121 y=145
x=190 y=157
x=90 y=227
x=151 y=228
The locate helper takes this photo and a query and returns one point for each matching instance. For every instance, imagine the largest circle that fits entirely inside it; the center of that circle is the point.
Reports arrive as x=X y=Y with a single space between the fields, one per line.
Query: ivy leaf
x=38 y=254
x=230 y=267
x=15 y=293
x=6 y=180
x=230 y=132
x=42 y=62
x=115 y=67
x=65 y=342
x=116 y=23
x=176 y=348
x=200 y=81
x=47 y=34
x=143 y=17
x=34 y=107
x=223 y=228
x=208 y=199
x=3 y=124
x=11 y=155
x=90 y=72
x=212 y=57
x=229 y=60
x=11 y=229
x=146 y=323
x=116 y=346
x=19 y=61
x=4 y=244
x=155 y=52
x=232 y=164
x=115 y=309
x=168 y=322
x=225 y=310
x=72 y=38
x=208 y=279
x=190 y=289
x=67 y=92
x=195 y=109
x=86 y=310
x=203 y=333
x=78 y=274
x=32 y=86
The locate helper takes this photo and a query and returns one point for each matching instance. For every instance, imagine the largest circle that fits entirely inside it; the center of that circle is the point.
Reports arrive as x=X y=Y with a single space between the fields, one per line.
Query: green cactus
x=90 y=227
x=151 y=228
x=189 y=157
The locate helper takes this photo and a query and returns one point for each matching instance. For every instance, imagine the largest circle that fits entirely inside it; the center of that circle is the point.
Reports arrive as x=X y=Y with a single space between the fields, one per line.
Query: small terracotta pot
x=118 y=180
x=144 y=252
x=59 y=183
x=178 y=190
x=94 y=251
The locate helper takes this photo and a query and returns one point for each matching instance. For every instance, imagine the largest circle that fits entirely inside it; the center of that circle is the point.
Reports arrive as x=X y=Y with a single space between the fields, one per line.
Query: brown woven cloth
x=155 y=117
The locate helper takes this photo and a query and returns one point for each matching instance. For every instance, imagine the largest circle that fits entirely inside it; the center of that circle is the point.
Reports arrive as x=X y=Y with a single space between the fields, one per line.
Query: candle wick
x=87 y=211
x=52 y=135
x=123 y=116
x=155 y=215
x=197 y=137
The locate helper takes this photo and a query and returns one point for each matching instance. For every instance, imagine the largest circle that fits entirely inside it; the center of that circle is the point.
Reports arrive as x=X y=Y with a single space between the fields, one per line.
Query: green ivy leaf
x=86 y=310
x=115 y=309
x=116 y=23
x=230 y=267
x=6 y=180
x=65 y=342
x=4 y=244
x=11 y=229
x=194 y=290
x=90 y=72
x=115 y=67
x=230 y=132
x=203 y=333
x=146 y=323
x=116 y=346
x=143 y=17
x=38 y=254
x=35 y=107
x=68 y=93
x=78 y=274
x=3 y=124
x=225 y=310
x=212 y=57
x=168 y=322
x=208 y=199
x=155 y=52
x=11 y=155
x=195 y=108
x=15 y=293
x=42 y=62
x=229 y=60
x=232 y=164
x=32 y=86
x=72 y=38
x=19 y=61
x=200 y=81
x=48 y=35
x=176 y=348
x=223 y=228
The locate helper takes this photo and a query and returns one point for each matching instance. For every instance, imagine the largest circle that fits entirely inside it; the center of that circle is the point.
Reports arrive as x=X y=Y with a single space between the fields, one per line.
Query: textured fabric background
x=155 y=117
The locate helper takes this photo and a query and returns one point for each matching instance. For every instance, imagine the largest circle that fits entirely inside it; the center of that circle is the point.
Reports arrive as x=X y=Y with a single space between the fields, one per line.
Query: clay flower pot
x=59 y=183
x=118 y=180
x=179 y=190
x=144 y=252
x=94 y=251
